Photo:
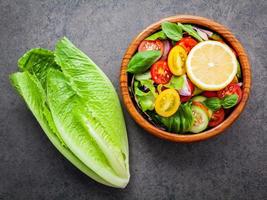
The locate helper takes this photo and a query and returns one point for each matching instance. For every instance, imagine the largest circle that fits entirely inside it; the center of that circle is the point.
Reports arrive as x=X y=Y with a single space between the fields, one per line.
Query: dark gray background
x=230 y=166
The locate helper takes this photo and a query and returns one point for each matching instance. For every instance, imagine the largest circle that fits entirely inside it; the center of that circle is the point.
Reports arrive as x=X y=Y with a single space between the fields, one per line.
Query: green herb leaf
x=142 y=61
x=172 y=30
x=213 y=103
x=230 y=101
x=189 y=29
x=158 y=35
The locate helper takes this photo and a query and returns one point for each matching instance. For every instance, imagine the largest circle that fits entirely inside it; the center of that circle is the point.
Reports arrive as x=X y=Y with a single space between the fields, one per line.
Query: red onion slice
x=167 y=46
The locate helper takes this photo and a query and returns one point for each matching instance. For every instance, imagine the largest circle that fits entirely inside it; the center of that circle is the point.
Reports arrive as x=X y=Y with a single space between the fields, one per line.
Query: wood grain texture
x=228 y=37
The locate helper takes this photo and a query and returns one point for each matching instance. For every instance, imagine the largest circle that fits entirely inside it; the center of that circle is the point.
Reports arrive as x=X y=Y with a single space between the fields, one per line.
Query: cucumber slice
x=201 y=120
x=199 y=98
x=144 y=76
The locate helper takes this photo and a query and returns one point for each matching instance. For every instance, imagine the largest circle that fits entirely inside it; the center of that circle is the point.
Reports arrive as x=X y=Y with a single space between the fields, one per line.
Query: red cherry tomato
x=229 y=90
x=187 y=43
x=147 y=45
x=160 y=72
x=209 y=94
x=216 y=118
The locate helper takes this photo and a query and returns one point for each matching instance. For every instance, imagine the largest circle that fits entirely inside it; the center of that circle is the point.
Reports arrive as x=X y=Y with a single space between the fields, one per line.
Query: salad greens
x=163 y=89
x=158 y=35
x=227 y=102
x=141 y=61
x=181 y=121
x=76 y=113
x=172 y=30
x=189 y=29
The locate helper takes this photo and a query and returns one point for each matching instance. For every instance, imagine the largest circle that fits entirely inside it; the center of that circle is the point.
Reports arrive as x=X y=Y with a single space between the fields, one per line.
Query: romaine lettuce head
x=78 y=109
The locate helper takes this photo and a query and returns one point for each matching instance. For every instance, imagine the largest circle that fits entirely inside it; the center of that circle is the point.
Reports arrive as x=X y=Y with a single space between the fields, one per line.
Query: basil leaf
x=158 y=35
x=213 y=103
x=142 y=61
x=172 y=30
x=230 y=101
x=175 y=83
x=189 y=29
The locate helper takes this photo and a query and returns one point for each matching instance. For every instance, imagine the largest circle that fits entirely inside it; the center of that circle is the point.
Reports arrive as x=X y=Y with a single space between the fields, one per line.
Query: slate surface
x=231 y=166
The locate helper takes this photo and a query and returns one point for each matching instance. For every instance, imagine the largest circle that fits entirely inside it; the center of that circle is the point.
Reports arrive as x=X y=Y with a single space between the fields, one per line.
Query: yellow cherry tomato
x=176 y=60
x=235 y=80
x=167 y=102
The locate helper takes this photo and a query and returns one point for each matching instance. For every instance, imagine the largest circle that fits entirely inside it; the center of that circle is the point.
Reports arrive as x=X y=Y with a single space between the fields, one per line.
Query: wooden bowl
x=228 y=37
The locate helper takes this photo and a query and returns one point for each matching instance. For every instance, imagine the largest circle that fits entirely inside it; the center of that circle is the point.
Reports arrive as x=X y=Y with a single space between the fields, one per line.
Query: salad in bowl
x=184 y=79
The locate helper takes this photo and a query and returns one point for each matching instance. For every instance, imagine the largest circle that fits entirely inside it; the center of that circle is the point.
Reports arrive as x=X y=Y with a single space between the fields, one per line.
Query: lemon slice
x=211 y=65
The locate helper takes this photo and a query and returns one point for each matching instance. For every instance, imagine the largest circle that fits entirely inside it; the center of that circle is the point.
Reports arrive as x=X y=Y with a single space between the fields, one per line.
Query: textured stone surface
x=231 y=166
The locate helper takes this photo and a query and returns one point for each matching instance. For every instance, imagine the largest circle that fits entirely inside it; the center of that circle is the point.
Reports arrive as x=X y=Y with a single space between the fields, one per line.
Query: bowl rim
x=228 y=37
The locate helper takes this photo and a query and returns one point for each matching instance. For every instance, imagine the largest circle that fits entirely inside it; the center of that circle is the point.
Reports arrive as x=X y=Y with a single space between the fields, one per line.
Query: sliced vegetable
x=180 y=122
x=167 y=103
x=160 y=72
x=229 y=90
x=199 y=98
x=176 y=60
x=185 y=98
x=217 y=118
x=167 y=46
x=189 y=29
x=204 y=107
x=188 y=87
x=142 y=61
x=201 y=119
x=235 y=80
x=172 y=30
x=148 y=45
x=158 y=35
x=144 y=76
x=187 y=43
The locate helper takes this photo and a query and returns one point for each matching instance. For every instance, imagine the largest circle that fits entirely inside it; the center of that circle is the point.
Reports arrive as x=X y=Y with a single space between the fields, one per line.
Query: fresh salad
x=185 y=78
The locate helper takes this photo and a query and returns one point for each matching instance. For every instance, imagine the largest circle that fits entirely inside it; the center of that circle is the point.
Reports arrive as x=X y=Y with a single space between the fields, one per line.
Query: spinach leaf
x=172 y=30
x=158 y=35
x=142 y=61
x=189 y=29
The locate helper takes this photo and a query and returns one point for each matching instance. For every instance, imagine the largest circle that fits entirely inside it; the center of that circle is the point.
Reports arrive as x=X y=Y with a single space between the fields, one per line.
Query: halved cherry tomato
x=160 y=72
x=187 y=43
x=167 y=103
x=147 y=45
x=229 y=90
x=217 y=118
x=209 y=94
x=176 y=60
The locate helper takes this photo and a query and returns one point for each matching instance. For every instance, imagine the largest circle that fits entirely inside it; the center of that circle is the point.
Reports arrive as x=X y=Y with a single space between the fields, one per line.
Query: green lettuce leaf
x=77 y=107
